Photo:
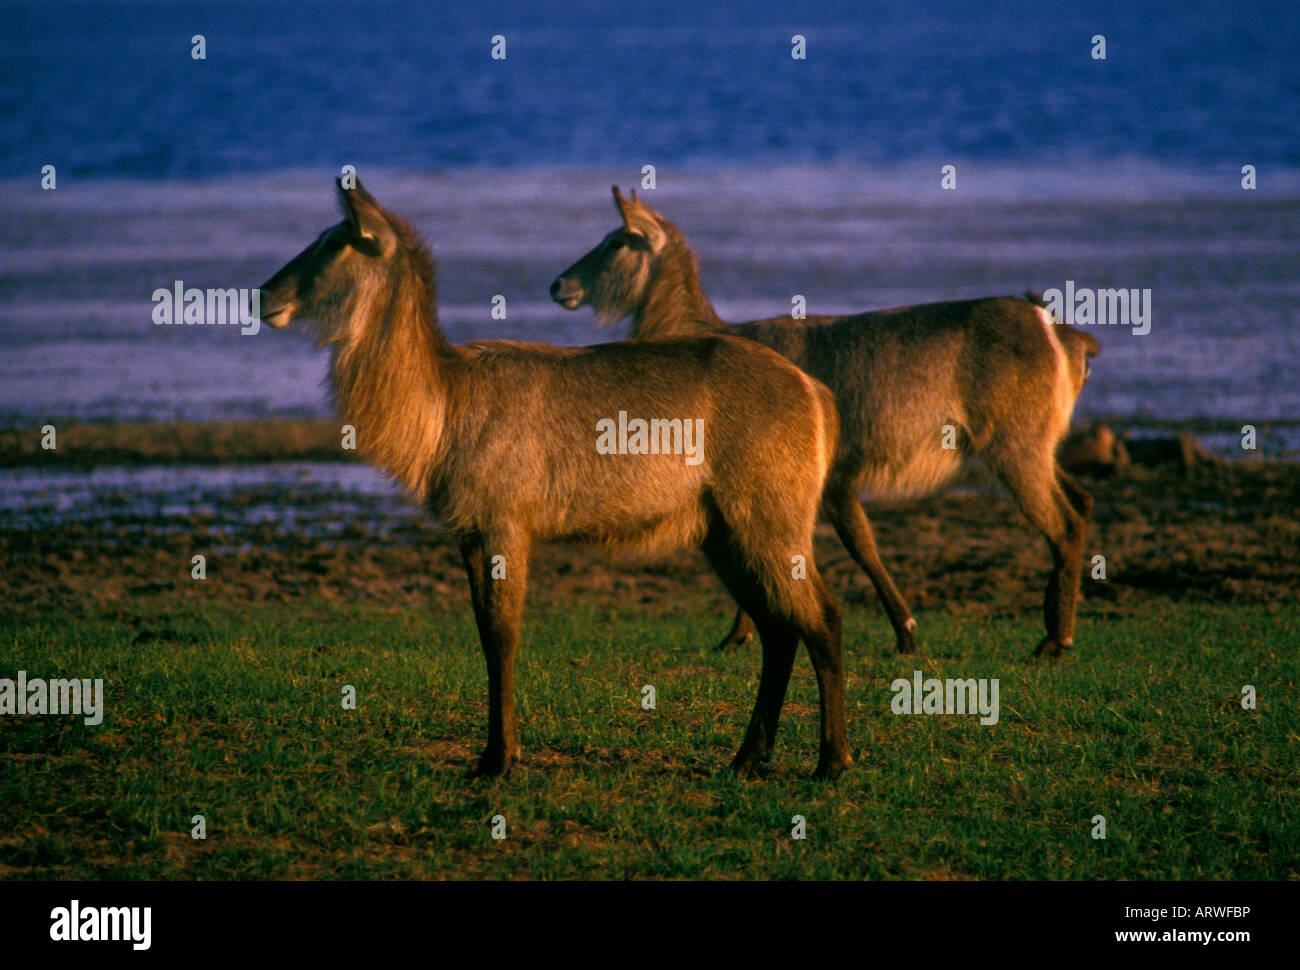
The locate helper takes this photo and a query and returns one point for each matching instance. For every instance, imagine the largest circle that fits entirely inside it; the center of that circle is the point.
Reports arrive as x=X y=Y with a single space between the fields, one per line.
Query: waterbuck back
x=920 y=389
x=710 y=441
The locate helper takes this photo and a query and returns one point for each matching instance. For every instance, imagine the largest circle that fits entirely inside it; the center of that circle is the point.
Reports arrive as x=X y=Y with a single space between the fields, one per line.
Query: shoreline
x=85 y=445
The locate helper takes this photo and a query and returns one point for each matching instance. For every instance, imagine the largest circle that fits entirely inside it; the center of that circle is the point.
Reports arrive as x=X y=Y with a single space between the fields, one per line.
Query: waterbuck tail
x=1079 y=343
x=1080 y=347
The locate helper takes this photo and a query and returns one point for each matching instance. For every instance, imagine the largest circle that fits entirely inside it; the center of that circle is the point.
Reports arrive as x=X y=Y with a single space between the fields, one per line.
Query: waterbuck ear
x=365 y=217
x=620 y=203
x=640 y=218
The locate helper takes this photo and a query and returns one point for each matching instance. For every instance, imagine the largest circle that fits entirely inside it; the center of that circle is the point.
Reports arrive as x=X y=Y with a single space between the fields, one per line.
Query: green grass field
x=235 y=713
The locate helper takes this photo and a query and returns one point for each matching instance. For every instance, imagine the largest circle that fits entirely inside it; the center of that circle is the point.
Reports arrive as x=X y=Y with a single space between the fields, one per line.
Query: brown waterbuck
x=502 y=442
x=920 y=389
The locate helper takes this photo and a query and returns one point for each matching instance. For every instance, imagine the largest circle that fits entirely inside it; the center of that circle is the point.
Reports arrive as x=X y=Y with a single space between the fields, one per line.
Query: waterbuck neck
x=389 y=374
x=675 y=304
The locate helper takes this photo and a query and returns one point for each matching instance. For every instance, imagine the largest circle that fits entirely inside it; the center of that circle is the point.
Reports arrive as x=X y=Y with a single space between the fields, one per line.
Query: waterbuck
x=920 y=389
x=501 y=441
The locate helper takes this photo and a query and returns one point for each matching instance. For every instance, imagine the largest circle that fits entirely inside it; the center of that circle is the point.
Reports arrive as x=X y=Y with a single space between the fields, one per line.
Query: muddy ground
x=1227 y=533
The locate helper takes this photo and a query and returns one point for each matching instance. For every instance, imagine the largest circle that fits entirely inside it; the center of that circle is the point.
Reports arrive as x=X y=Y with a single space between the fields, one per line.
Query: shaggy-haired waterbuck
x=502 y=441
x=919 y=389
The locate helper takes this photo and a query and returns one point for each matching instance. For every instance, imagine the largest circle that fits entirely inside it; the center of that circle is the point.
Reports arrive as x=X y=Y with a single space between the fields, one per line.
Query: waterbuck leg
x=822 y=637
x=778 y=632
x=785 y=608
x=1049 y=504
x=845 y=511
x=1078 y=496
x=739 y=580
x=780 y=644
x=1080 y=503
x=498 y=593
x=742 y=631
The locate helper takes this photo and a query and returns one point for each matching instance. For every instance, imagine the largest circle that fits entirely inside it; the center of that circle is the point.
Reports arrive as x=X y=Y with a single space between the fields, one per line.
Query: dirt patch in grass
x=1227 y=533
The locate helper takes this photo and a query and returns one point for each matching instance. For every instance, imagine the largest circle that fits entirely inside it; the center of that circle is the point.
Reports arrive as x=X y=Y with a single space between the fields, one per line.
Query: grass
x=235 y=713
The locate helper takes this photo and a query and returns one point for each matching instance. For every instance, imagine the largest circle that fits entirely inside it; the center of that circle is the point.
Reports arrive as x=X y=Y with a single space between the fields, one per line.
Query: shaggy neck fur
x=674 y=303
x=389 y=375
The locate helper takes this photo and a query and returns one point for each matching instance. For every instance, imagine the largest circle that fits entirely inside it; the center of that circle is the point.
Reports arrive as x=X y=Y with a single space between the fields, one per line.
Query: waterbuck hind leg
x=742 y=632
x=1076 y=493
x=844 y=509
x=1050 y=505
x=823 y=639
x=1076 y=510
x=785 y=611
x=498 y=591
x=780 y=644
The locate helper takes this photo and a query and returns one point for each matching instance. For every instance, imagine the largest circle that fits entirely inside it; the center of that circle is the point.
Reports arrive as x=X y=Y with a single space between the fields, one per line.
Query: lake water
x=818 y=177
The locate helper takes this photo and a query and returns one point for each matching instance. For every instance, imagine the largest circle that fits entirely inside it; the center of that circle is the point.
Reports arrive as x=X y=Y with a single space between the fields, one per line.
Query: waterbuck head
x=613 y=278
x=334 y=279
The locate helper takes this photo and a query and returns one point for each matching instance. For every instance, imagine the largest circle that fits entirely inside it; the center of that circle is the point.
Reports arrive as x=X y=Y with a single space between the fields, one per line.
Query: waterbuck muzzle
x=567 y=291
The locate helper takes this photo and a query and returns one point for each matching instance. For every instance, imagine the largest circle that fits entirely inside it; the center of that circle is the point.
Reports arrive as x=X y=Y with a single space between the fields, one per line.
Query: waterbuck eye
x=329 y=242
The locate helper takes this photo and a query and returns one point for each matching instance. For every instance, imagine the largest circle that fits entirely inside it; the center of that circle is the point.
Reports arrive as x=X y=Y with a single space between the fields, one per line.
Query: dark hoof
x=828 y=769
x=1051 y=647
x=491 y=766
x=747 y=765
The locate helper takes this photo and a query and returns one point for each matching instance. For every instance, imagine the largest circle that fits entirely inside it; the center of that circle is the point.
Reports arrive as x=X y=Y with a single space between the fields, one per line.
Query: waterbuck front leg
x=742 y=631
x=498 y=578
x=844 y=509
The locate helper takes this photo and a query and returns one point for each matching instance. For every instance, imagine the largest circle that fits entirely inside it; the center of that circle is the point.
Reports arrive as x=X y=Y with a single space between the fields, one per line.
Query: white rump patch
x=1062 y=392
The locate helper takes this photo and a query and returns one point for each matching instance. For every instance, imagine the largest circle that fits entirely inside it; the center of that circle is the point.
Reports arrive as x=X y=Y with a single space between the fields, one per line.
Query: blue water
x=818 y=177
x=110 y=89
